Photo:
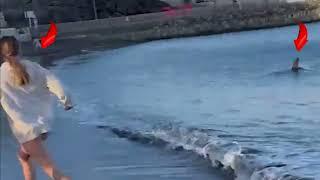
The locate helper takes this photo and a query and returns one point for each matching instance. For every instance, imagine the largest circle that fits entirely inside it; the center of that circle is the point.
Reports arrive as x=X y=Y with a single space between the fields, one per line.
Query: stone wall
x=246 y=4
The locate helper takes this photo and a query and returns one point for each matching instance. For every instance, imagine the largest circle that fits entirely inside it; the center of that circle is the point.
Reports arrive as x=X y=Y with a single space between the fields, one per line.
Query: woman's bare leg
x=26 y=164
x=38 y=153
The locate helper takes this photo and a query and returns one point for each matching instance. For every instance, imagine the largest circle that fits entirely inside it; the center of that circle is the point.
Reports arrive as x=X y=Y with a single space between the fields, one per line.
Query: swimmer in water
x=295 y=66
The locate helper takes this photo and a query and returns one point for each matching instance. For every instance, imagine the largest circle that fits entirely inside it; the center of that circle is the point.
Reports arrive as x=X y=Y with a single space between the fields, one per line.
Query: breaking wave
x=243 y=163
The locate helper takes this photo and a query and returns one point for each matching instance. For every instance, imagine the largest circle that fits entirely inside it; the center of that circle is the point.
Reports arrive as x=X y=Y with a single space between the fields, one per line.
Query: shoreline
x=63 y=49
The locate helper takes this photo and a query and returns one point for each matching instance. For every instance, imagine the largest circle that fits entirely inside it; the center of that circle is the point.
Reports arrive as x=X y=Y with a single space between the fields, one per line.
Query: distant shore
x=77 y=37
x=69 y=47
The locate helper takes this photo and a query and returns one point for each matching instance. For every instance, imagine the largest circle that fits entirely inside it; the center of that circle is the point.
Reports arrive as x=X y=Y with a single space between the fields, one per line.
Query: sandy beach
x=73 y=45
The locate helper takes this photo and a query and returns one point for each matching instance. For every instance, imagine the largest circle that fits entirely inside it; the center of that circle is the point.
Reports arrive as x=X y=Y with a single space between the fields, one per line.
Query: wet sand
x=71 y=45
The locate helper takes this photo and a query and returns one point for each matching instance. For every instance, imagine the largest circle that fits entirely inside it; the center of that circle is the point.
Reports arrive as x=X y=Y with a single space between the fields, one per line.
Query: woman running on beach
x=26 y=89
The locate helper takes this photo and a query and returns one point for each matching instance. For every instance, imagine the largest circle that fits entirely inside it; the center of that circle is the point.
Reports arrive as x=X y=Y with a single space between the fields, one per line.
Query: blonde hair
x=20 y=74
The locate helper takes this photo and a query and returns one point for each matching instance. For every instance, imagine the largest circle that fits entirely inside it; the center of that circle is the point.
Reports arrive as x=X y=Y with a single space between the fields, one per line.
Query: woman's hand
x=67 y=103
x=68 y=107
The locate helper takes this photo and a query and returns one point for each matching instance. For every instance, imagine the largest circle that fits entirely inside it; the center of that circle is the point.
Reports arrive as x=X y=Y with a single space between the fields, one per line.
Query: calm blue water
x=229 y=98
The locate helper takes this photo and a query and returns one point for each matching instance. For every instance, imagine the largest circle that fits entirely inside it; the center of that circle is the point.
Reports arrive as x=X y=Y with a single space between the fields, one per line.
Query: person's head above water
x=295 y=65
x=9 y=52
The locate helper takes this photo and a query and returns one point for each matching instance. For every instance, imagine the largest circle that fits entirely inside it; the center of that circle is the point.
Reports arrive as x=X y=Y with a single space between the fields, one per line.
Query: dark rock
x=179 y=148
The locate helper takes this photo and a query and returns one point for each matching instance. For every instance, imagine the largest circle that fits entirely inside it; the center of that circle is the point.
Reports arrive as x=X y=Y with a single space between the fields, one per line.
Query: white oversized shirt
x=29 y=107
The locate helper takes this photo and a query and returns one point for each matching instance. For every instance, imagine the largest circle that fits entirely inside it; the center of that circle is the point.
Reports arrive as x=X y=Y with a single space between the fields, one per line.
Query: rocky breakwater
x=198 y=21
x=207 y=20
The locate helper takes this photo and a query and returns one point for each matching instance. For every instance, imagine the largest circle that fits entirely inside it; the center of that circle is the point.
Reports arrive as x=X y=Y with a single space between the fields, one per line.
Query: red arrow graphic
x=169 y=11
x=302 y=38
x=186 y=8
x=50 y=37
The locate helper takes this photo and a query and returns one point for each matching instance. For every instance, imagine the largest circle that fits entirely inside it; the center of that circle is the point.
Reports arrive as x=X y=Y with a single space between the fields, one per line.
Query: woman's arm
x=55 y=86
